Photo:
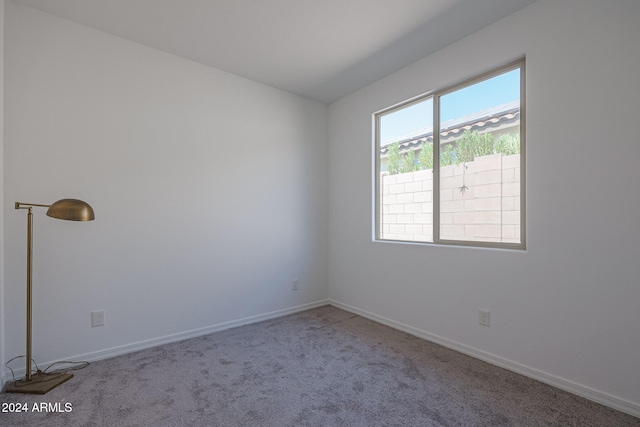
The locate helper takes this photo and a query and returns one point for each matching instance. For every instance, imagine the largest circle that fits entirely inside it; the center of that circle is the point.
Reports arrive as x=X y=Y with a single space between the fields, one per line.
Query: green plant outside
x=469 y=146
x=394 y=158
x=409 y=163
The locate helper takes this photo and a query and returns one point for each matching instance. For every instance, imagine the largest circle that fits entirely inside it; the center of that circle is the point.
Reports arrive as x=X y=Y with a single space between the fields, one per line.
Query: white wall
x=572 y=316
x=210 y=192
x=2 y=354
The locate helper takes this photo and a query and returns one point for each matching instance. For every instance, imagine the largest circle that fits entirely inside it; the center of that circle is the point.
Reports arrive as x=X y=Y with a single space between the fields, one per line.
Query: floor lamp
x=68 y=209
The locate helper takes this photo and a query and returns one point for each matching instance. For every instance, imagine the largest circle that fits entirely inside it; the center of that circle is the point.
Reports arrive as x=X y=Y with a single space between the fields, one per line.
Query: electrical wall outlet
x=294 y=285
x=484 y=317
x=97 y=318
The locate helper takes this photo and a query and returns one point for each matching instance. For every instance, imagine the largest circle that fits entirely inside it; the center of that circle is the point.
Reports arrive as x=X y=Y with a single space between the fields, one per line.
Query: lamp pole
x=29 y=287
x=29 y=277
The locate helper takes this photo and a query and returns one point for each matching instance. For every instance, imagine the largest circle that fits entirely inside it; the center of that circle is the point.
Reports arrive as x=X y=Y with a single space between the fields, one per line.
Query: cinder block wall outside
x=479 y=200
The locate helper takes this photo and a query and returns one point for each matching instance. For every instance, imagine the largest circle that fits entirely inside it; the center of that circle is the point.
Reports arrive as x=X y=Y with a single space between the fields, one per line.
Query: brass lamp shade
x=71 y=210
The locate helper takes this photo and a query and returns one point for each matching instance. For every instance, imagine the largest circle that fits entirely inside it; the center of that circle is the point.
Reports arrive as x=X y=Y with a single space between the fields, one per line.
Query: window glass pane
x=405 y=163
x=480 y=161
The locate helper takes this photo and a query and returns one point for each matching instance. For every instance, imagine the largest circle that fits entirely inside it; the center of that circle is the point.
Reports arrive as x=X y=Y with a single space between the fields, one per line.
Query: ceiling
x=321 y=49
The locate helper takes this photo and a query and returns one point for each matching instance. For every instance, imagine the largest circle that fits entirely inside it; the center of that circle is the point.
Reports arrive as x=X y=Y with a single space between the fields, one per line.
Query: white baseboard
x=142 y=345
x=606 y=399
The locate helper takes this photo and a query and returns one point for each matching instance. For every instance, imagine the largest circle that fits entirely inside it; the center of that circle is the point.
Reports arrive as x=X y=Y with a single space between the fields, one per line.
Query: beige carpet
x=322 y=367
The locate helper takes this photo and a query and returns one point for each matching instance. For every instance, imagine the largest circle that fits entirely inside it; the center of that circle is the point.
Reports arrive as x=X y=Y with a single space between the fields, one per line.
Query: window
x=450 y=165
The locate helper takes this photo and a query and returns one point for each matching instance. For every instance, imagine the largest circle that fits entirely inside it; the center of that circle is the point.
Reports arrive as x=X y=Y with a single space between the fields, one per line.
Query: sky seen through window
x=408 y=121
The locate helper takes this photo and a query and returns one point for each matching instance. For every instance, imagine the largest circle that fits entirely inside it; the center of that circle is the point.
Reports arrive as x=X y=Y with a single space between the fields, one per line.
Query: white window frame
x=436 y=95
